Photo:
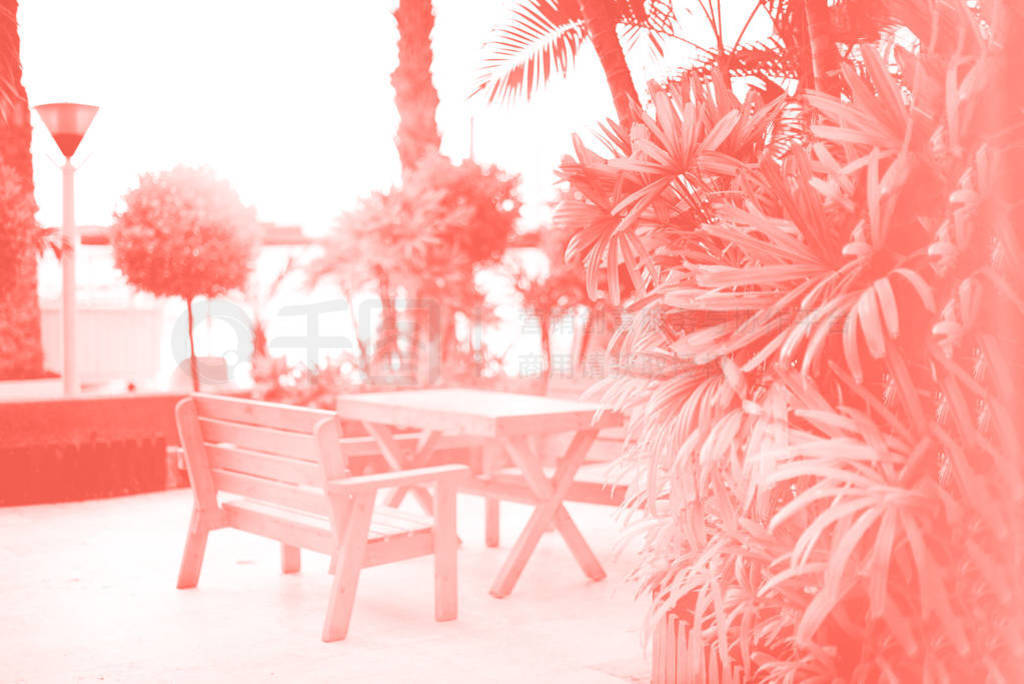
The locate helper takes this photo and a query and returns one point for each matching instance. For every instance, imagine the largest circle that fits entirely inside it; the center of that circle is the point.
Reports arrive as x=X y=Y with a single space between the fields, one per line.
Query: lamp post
x=67 y=123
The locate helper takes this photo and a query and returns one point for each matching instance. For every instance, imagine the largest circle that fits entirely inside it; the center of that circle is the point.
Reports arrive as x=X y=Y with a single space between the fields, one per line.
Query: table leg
x=492 y=515
x=550 y=509
x=419 y=459
x=392 y=452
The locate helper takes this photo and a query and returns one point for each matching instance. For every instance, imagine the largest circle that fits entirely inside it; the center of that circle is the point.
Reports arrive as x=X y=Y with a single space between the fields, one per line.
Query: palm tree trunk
x=824 y=52
x=415 y=94
x=601 y=28
x=21 y=351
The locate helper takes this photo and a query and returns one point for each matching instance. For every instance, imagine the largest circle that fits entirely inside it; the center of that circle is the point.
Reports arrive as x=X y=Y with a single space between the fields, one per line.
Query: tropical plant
x=423 y=242
x=807 y=41
x=277 y=380
x=415 y=94
x=557 y=293
x=543 y=37
x=12 y=93
x=20 y=245
x=21 y=352
x=21 y=233
x=184 y=233
x=833 y=474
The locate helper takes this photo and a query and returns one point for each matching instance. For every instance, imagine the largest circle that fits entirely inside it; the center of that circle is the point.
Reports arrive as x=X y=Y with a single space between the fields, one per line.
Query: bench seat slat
x=389 y=549
x=314 y=531
x=387 y=520
x=287 y=526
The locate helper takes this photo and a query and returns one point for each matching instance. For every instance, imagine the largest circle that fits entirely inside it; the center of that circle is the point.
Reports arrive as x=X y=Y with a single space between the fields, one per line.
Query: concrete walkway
x=87 y=594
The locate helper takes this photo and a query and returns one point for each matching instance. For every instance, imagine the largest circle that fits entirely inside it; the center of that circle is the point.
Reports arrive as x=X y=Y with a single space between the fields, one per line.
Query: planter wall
x=31 y=389
x=85 y=447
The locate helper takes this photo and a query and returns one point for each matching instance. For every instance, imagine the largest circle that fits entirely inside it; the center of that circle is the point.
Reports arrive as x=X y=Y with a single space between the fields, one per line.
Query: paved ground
x=87 y=594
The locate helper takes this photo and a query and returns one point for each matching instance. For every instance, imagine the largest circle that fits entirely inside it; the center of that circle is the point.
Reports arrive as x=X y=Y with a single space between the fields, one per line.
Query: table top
x=476 y=412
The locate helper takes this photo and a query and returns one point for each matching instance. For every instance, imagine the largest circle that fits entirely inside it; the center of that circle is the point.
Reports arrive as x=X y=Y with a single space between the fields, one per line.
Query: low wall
x=85 y=447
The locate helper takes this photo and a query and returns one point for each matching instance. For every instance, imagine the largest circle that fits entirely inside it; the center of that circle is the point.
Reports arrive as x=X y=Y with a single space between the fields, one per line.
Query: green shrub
x=827 y=453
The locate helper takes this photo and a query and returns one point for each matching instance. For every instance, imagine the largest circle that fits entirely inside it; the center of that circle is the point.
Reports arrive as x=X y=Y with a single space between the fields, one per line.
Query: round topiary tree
x=184 y=233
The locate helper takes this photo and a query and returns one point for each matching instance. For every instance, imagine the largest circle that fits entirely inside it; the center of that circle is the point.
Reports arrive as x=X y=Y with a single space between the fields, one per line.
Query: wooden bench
x=281 y=472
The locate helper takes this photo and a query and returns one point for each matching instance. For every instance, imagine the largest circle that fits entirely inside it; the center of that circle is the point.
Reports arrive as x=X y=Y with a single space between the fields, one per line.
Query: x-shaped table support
x=398 y=458
x=549 y=509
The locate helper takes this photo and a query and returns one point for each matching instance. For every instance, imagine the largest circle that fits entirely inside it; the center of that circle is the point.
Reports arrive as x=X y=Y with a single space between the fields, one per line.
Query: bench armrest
x=398 y=478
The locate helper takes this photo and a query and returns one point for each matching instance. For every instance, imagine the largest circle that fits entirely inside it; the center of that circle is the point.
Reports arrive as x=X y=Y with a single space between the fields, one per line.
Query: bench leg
x=446 y=584
x=291 y=559
x=195 y=547
x=346 y=575
x=492 y=522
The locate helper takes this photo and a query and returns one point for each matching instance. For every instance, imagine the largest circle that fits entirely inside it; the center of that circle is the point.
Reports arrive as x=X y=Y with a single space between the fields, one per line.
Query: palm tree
x=20 y=346
x=415 y=94
x=544 y=37
x=416 y=100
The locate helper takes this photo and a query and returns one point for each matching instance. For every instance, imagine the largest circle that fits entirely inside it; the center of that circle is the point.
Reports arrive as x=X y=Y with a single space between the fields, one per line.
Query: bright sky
x=290 y=102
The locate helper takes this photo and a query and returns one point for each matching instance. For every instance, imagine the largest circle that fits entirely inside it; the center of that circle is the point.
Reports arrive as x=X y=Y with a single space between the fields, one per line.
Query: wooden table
x=501 y=421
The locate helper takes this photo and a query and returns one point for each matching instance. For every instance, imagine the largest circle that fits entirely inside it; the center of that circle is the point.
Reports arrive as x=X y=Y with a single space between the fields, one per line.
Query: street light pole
x=67 y=123
x=69 y=309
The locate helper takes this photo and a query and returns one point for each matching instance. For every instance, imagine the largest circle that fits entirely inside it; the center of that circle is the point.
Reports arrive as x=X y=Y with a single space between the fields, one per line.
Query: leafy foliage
x=559 y=292
x=834 y=481
x=543 y=38
x=425 y=240
x=184 y=233
x=300 y=385
x=21 y=241
x=20 y=234
x=809 y=38
x=12 y=94
x=21 y=353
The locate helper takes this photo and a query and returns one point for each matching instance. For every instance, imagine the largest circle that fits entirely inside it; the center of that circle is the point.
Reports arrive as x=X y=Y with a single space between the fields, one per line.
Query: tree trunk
x=386 y=348
x=822 y=45
x=364 y=356
x=21 y=351
x=415 y=94
x=192 y=363
x=601 y=28
x=545 y=348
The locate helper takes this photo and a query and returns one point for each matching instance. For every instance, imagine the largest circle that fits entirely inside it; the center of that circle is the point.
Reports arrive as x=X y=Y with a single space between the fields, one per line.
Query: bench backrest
x=262 y=451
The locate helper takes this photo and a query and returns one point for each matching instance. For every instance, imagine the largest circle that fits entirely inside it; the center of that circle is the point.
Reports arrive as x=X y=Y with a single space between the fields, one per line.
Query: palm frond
x=541 y=39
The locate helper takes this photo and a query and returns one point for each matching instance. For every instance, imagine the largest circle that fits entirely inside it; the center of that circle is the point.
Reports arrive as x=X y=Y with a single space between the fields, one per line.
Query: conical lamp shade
x=67 y=122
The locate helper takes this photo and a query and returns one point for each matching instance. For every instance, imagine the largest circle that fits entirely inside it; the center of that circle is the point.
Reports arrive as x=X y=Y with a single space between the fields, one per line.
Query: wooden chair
x=280 y=472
